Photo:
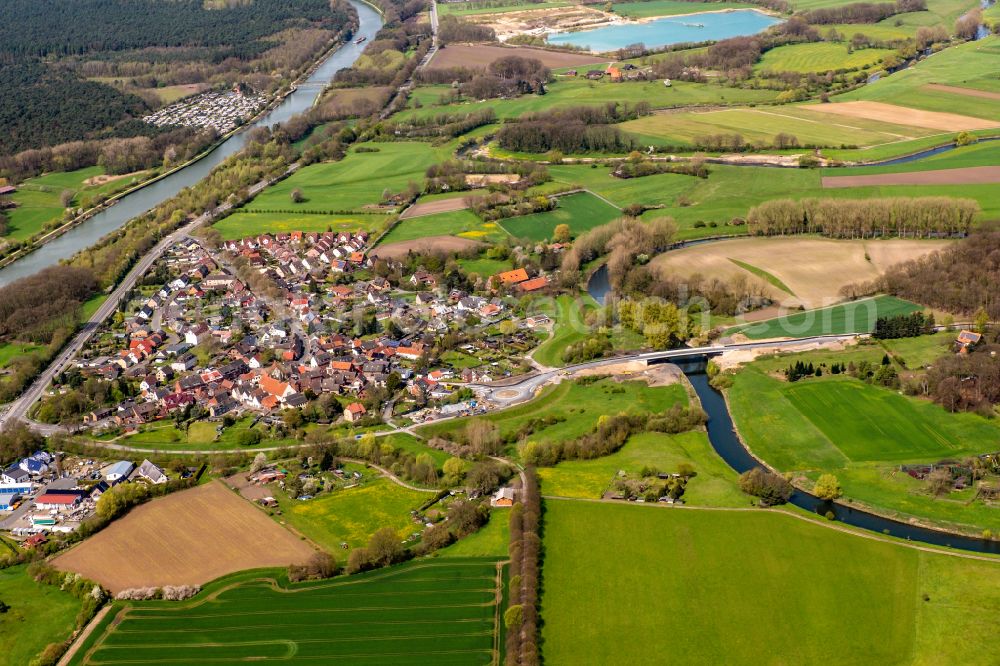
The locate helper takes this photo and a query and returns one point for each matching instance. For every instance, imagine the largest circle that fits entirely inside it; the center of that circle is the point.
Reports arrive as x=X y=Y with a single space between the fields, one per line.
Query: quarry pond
x=703 y=27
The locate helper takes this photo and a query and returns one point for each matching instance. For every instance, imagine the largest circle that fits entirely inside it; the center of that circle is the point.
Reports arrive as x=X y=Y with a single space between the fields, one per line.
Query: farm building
x=354 y=412
x=503 y=497
x=967 y=340
x=14 y=474
x=53 y=500
x=117 y=471
x=149 y=472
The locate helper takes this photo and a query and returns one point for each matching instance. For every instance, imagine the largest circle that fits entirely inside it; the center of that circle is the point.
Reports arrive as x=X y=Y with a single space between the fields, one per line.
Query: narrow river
x=142 y=200
x=726 y=442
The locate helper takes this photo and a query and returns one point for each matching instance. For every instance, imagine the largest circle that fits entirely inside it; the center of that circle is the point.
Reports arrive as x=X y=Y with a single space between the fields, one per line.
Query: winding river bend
x=142 y=200
x=726 y=442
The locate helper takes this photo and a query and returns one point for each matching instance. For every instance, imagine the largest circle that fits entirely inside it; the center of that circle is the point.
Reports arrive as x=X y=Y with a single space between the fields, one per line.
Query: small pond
x=703 y=27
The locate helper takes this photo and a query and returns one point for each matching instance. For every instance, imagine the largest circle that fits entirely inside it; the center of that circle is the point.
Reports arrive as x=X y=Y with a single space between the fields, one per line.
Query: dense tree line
x=967 y=382
x=451 y=176
x=917 y=217
x=509 y=76
x=449 y=125
x=610 y=435
x=452 y=29
x=624 y=241
x=771 y=488
x=265 y=156
x=544 y=136
x=34 y=308
x=640 y=168
x=961 y=278
x=862 y=12
x=573 y=129
x=903 y=326
x=525 y=549
x=18 y=441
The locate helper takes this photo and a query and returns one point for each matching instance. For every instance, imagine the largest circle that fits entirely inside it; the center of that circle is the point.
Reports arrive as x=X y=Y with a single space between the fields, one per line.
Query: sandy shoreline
x=618 y=20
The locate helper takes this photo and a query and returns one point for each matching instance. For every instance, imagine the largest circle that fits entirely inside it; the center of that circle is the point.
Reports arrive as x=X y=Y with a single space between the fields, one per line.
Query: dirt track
x=426 y=244
x=965 y=176
x=431 y=207
x=187 y=538
x=968 y=92
x=901 y=115
x=480 y=55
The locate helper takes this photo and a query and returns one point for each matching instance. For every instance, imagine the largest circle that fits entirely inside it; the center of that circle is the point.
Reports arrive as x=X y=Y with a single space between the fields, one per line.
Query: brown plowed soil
x=901 y=115
x=480 y=55
x=431 y=207
x=186 y=538
x=969 y=92
x=428 y=244
x=965 y=176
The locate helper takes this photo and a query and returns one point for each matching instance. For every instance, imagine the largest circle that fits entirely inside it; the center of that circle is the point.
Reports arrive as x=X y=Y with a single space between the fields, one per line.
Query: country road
x=505 y=396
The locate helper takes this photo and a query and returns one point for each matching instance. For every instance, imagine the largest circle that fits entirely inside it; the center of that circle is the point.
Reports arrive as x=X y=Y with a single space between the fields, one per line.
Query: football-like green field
x=632 y=584
x=861 y=433
x=854 y=317
x=713 y=485
x=355 y=182
x=819 y=57
x=582 y=212
x=441 y=611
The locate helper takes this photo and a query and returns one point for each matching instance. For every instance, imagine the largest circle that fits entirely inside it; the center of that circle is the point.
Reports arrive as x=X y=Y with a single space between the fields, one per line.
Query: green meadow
x=671 y=8
x=440 y=611
x=355 y=182
x=568 y=327
x=462 y=223
x=853 y=317
x=705 y=206
x=969 y=65
x=352 y=515
x=39 y=199
x=573 y=91
x=713 y=485
x=819 y=57
x=762 y=124
x=751 y=587
x=573 y=407
x=38 y=615
x=241 y=223
x=459 y=8
x=861 y=433
x=582 y=212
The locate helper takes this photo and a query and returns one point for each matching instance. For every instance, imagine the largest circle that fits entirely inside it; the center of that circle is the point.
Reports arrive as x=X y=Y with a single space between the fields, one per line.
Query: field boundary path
x=858 y=532
x=81 y=638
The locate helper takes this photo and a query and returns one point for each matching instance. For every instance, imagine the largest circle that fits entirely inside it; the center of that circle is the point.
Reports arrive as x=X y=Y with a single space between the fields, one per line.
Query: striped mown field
x=444 y=611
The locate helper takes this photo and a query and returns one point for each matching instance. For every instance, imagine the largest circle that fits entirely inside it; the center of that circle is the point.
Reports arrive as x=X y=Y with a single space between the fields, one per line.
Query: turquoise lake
x=708 y=26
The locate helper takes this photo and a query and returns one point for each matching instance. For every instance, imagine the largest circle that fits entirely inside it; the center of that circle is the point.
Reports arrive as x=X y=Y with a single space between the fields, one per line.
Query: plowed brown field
x=186 y=538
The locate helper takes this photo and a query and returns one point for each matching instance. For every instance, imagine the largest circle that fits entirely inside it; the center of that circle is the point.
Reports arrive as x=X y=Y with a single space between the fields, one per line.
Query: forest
x=918 y=217
x=862 y=12
x=962 y=278
x=49 y=51
x=72 y=27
